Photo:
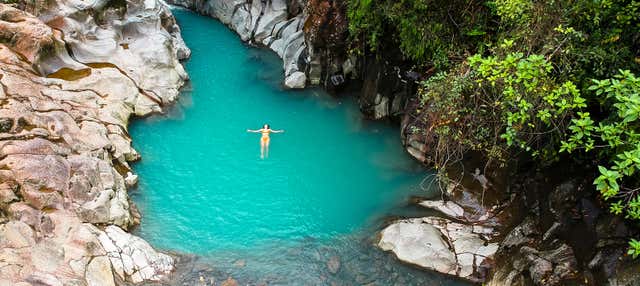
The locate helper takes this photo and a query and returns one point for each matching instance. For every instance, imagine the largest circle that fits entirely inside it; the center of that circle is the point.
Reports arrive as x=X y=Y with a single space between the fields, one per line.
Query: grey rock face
x=139 y=38
x=133 y=258
x=460 y=240
x=441 y=245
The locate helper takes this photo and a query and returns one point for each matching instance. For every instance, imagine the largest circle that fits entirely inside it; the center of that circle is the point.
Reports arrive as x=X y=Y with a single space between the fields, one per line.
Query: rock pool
x=305 y=215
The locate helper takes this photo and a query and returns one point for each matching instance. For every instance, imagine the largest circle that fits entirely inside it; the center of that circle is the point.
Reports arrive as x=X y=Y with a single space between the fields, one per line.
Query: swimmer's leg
x=261 y=149
x=266 y=147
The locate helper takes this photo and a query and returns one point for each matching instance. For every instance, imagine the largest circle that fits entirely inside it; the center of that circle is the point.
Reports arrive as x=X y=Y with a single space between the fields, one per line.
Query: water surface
x=327 y=184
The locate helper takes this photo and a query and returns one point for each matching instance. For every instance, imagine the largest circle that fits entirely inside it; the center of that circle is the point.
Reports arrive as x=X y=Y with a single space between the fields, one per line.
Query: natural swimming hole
x=329 y=181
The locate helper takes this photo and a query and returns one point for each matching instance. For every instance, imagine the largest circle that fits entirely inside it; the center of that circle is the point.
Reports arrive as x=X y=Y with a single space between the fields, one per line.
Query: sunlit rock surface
x=70 y=80
x=141 y=38
x=441 y=245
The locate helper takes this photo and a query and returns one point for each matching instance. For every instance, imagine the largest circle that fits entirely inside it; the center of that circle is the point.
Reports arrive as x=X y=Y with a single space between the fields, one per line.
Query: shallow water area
x=327 y=185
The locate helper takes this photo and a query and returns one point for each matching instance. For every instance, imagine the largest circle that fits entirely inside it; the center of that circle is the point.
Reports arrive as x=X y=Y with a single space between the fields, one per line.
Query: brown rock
x=229 y=282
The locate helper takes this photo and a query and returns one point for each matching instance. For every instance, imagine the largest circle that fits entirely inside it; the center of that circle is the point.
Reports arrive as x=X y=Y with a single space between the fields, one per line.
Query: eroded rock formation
x=71 y=79
x=442 y=245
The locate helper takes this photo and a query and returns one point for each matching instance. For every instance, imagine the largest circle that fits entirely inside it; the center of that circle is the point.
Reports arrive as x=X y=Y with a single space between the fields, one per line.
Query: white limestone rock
x=99 y=272
x=131 y=179
x=275 y=12
x=16 y=234
x=439 y=244
x=296 y=80
x=137 y=43
x=59 y=174
x=420 y=244
x=132 y=257
x=448 y=208
x=381 y=108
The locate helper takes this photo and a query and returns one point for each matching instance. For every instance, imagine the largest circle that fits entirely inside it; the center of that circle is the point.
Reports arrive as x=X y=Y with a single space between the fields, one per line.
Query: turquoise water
x=327 y=184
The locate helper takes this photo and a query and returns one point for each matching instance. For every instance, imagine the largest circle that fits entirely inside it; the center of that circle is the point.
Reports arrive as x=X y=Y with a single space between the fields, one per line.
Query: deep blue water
x=328 y=183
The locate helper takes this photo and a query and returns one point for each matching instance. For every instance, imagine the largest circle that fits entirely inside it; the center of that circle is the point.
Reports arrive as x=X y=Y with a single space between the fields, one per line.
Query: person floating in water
x=264 y=141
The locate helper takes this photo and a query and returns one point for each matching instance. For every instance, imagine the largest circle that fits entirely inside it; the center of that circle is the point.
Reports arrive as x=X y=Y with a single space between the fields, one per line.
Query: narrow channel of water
x=327 y=185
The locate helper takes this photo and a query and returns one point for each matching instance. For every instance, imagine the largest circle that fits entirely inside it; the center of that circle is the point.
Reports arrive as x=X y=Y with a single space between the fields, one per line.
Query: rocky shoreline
x=73 y=73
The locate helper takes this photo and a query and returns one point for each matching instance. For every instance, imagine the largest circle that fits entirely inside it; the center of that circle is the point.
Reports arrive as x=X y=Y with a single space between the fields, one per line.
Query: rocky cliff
x=72 y=74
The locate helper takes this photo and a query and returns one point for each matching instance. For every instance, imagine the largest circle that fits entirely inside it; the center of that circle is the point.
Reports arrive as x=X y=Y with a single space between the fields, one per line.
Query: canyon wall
x=72 y=74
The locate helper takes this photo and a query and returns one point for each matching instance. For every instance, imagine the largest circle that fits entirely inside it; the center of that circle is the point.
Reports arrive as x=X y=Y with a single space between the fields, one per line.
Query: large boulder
x=295 y=80
x=441 y=245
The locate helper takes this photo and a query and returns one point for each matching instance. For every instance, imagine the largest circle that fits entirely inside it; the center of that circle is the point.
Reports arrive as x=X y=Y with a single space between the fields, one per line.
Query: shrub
x=617 y=140
x=501 y=106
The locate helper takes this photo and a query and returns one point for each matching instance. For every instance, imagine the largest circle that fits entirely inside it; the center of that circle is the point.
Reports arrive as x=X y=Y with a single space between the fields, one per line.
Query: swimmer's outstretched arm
x=254 y=131
x=277 y=131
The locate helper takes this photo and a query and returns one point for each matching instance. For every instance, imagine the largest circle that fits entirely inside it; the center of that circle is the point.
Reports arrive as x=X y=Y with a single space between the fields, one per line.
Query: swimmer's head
x=266 y=126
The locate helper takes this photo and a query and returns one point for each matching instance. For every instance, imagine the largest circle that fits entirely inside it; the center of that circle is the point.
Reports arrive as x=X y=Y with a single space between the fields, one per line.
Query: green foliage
x=503 y=104
x=634 y=248
x=365 y=21
x=617 y=138
x=523 y=89
x=528 y=101
x=608 y=40
x=426 y=31
x=513 y=11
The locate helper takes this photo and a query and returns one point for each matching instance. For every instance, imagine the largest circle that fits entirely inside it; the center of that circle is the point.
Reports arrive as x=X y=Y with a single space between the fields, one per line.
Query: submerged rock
x=333 y=264
x=229 y=282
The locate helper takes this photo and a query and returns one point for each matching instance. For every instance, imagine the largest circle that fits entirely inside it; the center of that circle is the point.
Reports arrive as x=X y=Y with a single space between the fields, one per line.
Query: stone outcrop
x=133 y=36
x=133 y=257
x=442 y=245
x=438 y=245
x=311 y=37
x=70 y=80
